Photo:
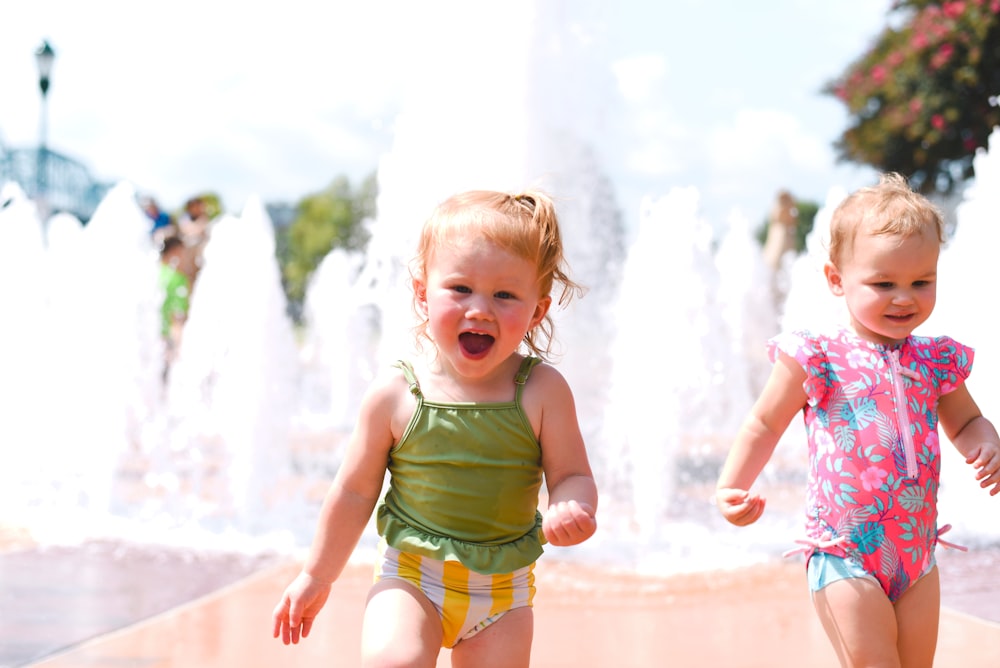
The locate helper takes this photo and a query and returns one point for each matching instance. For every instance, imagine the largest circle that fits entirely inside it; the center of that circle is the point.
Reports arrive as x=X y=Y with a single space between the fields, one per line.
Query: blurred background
x=695 y=151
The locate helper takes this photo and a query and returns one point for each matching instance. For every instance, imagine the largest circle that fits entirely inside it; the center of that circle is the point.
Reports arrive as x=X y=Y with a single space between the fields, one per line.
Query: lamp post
x=44 y=56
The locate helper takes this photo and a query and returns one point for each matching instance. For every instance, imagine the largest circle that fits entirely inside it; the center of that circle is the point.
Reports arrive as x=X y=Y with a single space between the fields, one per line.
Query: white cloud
x=638 y=76
x=766 y=139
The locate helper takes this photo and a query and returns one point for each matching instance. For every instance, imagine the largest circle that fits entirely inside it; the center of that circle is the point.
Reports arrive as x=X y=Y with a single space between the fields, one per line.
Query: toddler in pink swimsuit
x=872 y=395
x=874 y=452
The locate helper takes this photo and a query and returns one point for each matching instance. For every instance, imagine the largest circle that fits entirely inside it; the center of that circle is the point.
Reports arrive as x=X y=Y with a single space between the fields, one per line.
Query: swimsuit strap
x=410 y=376
x=521 y=377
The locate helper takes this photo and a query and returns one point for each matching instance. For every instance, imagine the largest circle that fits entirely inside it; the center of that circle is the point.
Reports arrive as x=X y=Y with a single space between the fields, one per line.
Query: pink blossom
x=953 y=9
x=878 y=74
x=937 y=120
x=858 y=359
x=944 y=52
x=872 y=478
x=825 y=445
x=933 y=442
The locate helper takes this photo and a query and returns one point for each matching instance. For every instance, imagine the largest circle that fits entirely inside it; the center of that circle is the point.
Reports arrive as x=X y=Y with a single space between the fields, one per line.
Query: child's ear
x=540 y=310
x=420 y=295
x=834 y=280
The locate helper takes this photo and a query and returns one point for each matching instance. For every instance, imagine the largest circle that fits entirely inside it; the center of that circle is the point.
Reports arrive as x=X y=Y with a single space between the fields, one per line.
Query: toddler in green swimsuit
x=467 y=431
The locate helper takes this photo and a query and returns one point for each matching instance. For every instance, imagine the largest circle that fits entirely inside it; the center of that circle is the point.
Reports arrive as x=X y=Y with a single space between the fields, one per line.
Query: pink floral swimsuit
x=874 y=453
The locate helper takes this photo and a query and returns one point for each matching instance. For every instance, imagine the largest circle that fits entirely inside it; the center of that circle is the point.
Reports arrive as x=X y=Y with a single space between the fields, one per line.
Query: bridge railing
x=64 y=184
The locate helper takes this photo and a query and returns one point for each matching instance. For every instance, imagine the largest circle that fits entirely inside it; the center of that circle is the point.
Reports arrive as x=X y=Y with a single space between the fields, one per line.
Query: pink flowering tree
x=924 y=96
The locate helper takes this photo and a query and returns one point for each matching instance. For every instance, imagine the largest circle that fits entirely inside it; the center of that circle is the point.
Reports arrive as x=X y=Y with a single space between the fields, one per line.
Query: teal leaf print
x=913 y=499
x=852 y=518
x=908 y=529
x=854 y=388
x=859 y=413
x=844 y=487
x=879 y=505
x=867 y=537
x=846 y=497
x=844 y=436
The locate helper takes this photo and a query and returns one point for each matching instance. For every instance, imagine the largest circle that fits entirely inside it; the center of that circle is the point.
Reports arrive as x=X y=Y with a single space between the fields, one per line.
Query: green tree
x=331 y=218
x=923 y=98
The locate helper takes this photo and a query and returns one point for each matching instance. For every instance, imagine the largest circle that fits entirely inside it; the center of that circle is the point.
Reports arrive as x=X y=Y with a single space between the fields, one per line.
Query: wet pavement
x=970 y=582
x=109 y=605
x=55 y=598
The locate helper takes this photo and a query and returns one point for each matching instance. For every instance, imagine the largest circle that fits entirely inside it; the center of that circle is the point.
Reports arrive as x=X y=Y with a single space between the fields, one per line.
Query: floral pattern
x=859 y=495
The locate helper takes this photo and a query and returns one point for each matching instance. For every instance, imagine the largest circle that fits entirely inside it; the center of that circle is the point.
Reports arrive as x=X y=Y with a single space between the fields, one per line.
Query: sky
x=278 y=99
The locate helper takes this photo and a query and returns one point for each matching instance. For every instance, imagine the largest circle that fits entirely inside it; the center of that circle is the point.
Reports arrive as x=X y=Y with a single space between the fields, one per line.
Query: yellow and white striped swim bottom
x=467 y=601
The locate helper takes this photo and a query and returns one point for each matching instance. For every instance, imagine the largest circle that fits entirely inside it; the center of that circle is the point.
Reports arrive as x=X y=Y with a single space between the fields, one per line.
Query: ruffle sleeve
x=952 y=363
x=808 y=350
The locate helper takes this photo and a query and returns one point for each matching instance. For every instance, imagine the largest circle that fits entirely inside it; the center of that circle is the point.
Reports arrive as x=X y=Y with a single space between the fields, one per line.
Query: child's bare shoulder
x=546 y=382
x=388 y=391
x=387 y=405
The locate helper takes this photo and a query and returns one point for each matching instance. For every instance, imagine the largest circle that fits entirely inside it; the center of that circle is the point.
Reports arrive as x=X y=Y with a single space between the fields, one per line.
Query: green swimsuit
x=464 y=482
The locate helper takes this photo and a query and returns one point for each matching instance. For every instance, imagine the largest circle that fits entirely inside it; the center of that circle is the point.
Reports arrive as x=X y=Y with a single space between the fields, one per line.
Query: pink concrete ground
x=753 y=617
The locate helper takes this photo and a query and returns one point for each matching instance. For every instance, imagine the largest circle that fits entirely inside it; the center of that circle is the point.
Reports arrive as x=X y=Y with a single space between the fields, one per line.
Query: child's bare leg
x=918 y=612
x=400 y=628
x=506 y=643
x=860 y=622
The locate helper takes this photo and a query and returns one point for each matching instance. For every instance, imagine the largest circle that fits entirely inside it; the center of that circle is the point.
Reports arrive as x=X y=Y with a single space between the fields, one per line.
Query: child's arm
x=972 y=435
x=783 y=397
x=345 y=512
x=570 y=517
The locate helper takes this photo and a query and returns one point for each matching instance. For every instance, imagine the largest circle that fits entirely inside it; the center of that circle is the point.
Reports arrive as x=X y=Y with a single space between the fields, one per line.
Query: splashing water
x=664 y=352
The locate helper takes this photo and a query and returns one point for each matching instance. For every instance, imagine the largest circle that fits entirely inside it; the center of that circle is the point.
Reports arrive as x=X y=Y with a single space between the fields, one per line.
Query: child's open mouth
x=475 y=345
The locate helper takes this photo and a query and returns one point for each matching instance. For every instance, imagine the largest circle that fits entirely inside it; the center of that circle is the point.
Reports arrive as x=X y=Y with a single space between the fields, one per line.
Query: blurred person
x=782 y=225
x=162 y=224
x=176 y=303
x=194 y=227
x=782 y=228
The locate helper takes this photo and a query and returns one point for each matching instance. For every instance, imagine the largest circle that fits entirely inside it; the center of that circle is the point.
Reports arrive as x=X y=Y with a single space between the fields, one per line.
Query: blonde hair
x=891 y=208
x=523 y=224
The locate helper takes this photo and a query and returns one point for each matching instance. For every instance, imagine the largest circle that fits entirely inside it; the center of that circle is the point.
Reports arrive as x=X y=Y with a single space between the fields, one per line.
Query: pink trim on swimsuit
x=874 y=452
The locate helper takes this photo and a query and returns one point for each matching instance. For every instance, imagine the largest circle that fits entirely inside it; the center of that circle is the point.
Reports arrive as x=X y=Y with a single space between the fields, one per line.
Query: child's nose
x=478 y=308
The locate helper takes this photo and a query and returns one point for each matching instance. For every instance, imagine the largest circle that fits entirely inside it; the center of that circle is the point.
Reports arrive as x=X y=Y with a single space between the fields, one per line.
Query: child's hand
x=986 y=460
x=739 y=506
x=303 y=599
x=568 y=523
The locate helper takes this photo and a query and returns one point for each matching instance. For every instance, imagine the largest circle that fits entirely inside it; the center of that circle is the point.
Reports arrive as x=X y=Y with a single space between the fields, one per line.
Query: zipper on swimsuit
x=897 y=371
